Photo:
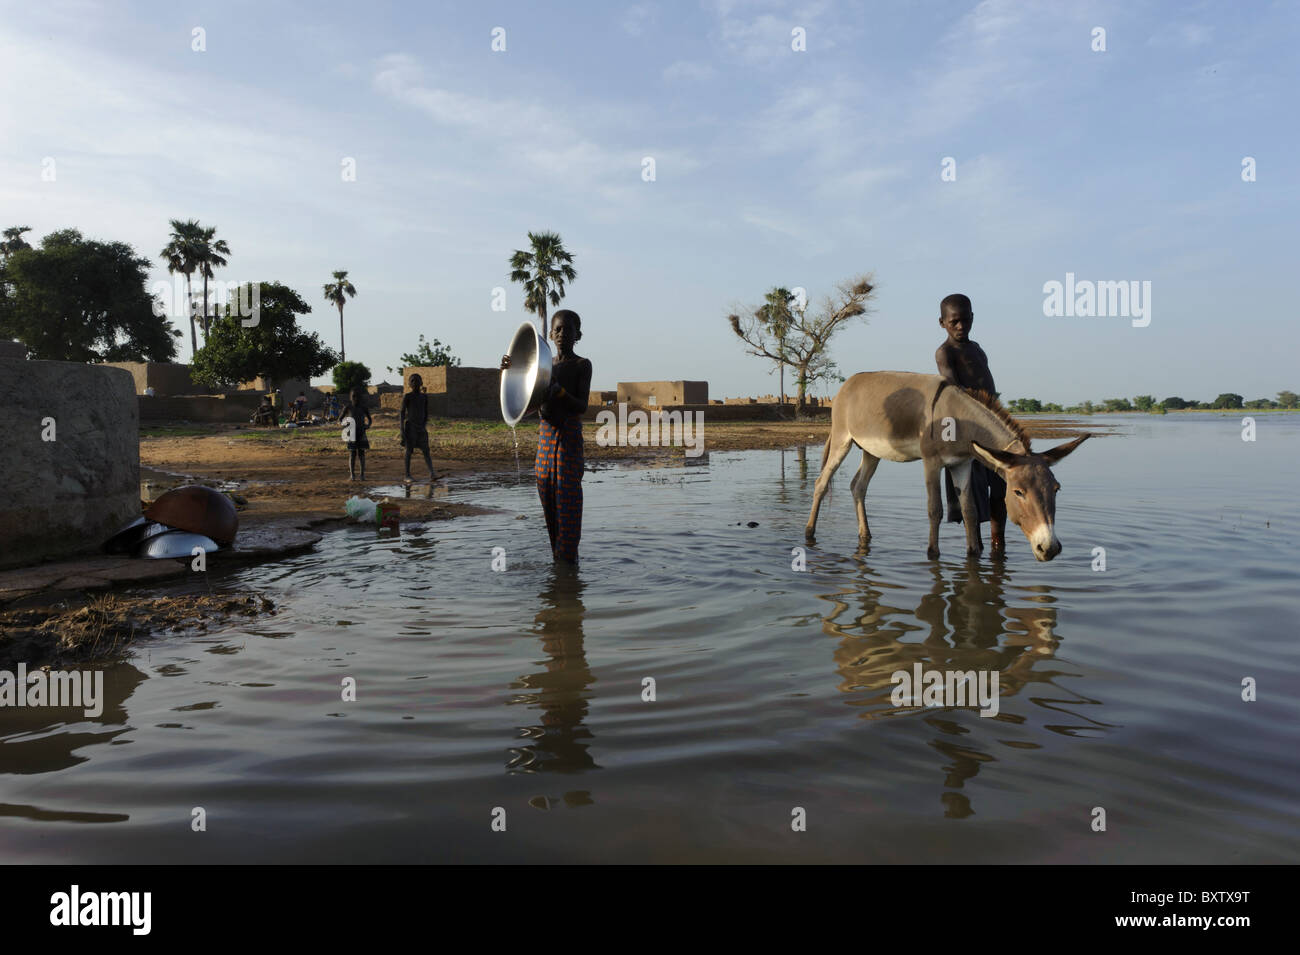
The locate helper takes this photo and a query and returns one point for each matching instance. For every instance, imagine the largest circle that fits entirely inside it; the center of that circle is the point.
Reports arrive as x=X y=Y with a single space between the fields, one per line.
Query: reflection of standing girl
x=559 y=463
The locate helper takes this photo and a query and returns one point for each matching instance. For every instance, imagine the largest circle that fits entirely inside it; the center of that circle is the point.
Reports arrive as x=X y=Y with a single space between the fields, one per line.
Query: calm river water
x=522 y=690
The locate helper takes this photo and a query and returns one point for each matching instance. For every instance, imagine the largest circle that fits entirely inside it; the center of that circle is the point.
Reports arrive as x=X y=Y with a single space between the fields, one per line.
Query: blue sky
x=773 y=166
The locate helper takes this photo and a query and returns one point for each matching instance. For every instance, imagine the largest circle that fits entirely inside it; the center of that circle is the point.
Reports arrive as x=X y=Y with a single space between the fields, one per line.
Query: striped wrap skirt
x=559 y=467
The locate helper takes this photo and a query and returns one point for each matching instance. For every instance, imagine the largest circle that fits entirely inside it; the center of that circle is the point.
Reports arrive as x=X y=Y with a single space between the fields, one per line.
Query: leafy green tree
x=1118 y=404
x=1054 y=408
x=275 y=348
x=1025 y=405
x=1227 y=400
x=1261 y=403
x=182 y=253
x=1144 y=402
x=428 y=355
x=542 y=270
x=338 y=292
x=806 y=342
x=208 y=253
x=349 y=375
x=1287 y=399
x=78 y=299
x=1174 y=403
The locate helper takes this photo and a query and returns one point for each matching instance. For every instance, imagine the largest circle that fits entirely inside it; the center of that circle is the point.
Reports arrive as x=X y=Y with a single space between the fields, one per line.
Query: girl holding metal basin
x=559 y=463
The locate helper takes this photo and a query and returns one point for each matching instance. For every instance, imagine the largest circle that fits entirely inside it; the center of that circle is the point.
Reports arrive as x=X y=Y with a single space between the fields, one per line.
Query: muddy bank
x=78 y=631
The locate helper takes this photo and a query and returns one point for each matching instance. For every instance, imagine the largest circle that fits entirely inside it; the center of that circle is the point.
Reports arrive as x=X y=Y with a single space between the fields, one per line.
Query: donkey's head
x=1031 y=491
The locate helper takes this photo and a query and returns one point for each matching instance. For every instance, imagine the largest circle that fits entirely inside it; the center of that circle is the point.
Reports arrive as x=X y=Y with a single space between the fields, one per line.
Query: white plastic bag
x=361 y=509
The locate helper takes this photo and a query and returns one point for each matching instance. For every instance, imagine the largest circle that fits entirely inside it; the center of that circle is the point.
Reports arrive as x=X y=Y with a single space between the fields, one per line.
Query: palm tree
x=208 y=254
x=338 y=292
x=543 y=272
x=775 y=313
x=181 y=255
x=13 y=240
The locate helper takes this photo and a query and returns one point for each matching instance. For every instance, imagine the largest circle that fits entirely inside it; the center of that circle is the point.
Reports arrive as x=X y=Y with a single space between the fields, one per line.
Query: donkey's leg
x=838 y=448
x=970 y=517
x=934 y=503
x=859 y=488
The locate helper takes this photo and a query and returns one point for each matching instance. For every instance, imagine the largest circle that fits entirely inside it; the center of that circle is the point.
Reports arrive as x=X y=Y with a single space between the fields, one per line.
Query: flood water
x=522 y=690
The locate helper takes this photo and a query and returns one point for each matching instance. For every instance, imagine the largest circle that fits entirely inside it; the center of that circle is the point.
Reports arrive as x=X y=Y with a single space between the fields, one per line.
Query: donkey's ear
x=997 y=460
x=1052 y=455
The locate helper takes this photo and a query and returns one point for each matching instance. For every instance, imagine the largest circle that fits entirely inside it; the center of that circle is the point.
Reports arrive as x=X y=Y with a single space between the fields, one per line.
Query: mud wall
x=459 y=392
x=166 y=378
x=71 y=464
x=658 y=394
x=229 y=408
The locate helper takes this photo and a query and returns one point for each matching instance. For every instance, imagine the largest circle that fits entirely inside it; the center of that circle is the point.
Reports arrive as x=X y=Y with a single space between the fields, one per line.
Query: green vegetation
x=78 y=299
x=275 y=347
x=428 y=355
x=349 y=375
x=1227 y=401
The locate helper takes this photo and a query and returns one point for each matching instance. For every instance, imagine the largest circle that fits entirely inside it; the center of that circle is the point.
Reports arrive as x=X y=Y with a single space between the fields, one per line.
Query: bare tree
x=802 y=341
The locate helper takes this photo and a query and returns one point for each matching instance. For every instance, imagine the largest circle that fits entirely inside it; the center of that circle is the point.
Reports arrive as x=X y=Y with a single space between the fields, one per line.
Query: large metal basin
x=524 y=383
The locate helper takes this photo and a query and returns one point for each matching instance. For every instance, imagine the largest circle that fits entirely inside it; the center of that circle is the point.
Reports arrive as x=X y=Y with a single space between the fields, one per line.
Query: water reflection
x=962 y=624
x=559 y=742
x=45 y=739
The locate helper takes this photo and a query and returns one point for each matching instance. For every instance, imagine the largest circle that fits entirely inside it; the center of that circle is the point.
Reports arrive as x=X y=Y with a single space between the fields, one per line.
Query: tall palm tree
x=338 y=292
x=181 y=255
x=775 y=313
x=209 y=254
x=543 y=272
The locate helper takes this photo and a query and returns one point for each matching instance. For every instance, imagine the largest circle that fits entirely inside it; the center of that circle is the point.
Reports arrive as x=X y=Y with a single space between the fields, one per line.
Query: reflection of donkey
x=902 y=416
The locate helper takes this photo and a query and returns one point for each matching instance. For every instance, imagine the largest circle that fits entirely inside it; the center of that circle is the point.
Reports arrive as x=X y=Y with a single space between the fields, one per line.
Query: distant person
x=413 y=425
x=356 y=413
x=265 y=413
x=560 y=463
x=298 y=408
x=962 y=362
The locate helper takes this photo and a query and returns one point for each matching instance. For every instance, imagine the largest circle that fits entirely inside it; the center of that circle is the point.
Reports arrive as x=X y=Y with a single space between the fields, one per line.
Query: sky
x=986 y=147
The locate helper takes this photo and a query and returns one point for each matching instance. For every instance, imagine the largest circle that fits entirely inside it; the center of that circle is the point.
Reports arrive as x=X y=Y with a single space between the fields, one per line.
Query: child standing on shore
x=356 y=420
x=413 y=425
x=964 y=363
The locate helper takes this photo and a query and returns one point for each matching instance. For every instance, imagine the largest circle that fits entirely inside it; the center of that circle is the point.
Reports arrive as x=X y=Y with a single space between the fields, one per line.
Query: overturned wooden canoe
x=199 y=510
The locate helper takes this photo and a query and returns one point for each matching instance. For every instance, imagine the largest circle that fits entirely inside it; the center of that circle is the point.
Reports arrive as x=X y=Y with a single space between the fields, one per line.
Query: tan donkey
x=901 y=416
